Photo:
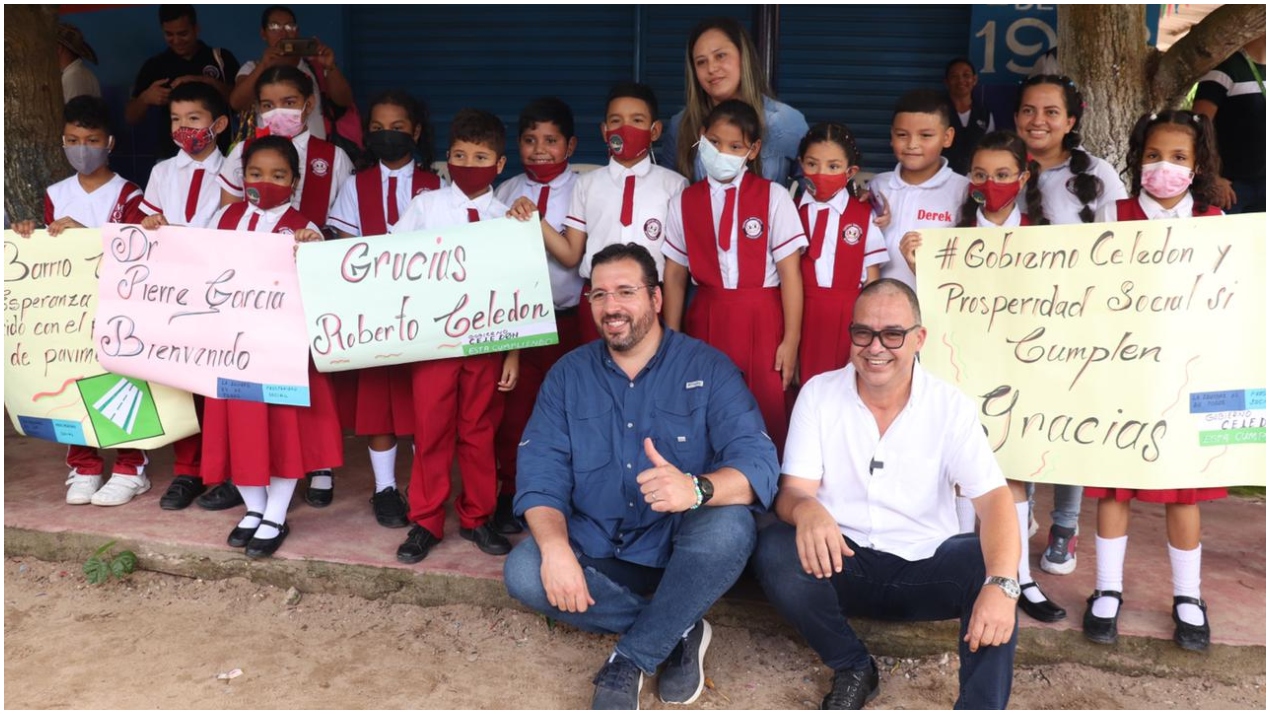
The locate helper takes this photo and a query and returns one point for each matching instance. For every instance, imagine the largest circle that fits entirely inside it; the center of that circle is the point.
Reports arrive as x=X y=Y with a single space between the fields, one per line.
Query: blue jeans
x=886 y=587
x=1066 y=511
x=650 y=608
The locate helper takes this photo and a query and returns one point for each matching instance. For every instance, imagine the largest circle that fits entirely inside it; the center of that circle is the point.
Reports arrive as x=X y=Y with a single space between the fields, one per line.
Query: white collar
x=407 y=171
x=939 y=179
x=837 y=202
x=639 y=170
x=1014 y=219
x=480 y=203
x=717 y=188
x=1152 y=208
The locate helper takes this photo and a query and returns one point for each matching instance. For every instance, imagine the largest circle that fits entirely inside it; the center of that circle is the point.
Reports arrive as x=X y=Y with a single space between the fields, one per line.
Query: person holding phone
x=283 y=45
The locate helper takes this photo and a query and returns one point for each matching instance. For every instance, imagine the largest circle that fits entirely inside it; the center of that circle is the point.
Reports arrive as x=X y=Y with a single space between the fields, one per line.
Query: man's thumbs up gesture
x=665 y=488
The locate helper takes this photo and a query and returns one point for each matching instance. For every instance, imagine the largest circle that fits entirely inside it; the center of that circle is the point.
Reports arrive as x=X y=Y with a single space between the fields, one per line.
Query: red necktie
x=542 y=203
x=725 y=221
x=818 y=235
x=473 y=215
x=628 y=200
x=392 y=201
x=191 y=201
x=255 y=218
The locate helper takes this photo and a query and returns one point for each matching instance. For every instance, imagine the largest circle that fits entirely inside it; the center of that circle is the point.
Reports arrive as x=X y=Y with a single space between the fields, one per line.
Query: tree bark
x=33 y=158
x=1208 y=43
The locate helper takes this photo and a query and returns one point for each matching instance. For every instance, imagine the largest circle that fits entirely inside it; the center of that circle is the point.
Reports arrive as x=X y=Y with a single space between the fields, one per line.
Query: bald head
x=888 y=287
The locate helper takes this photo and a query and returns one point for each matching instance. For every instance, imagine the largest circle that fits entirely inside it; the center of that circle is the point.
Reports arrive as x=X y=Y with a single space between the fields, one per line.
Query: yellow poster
x=1129 y=354
x=54 y=388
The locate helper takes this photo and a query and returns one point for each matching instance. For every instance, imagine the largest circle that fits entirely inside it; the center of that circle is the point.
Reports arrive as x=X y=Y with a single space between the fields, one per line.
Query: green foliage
x=102 y=566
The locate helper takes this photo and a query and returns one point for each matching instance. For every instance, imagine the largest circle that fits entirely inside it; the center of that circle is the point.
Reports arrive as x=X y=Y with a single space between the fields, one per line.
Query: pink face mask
x=1163 y=179
x=283 y=121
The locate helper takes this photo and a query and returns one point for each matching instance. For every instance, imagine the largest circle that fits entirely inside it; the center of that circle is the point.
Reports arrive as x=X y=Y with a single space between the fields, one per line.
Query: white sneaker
x=82 y=488
x=120 y=489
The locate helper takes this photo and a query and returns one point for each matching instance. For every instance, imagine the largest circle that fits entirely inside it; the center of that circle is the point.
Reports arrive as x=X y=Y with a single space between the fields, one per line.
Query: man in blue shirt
x=638 y=473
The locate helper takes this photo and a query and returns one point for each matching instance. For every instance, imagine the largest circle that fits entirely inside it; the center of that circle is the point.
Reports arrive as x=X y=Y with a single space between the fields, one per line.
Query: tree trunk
x=33 y=158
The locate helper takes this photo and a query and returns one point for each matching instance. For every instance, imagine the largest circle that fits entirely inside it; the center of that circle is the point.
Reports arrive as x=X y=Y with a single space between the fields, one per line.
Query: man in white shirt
x=867 y=519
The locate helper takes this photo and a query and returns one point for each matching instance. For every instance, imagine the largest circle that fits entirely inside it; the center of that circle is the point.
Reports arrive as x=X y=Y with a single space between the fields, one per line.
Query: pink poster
x=212 y=312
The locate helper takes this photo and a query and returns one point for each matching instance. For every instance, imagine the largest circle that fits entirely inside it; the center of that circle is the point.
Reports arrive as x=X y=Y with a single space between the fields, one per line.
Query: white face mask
x=719 y=166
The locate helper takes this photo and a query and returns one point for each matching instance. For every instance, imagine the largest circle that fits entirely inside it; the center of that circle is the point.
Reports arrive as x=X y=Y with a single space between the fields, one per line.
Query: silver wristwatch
x=1009 y=586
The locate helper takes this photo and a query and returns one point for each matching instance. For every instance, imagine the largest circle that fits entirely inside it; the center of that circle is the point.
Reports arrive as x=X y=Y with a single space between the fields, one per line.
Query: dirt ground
x=159 y=642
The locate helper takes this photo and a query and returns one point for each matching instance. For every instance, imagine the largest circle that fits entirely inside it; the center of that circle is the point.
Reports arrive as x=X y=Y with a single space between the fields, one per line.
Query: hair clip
x=1194 y=117
x=1153 y=116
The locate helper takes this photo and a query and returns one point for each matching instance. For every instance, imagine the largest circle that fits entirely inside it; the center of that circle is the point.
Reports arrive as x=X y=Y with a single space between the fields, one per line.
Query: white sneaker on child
x=120 y=489
x=82 y=488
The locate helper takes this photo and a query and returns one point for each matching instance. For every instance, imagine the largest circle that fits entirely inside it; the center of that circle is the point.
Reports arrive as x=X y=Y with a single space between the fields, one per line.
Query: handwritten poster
x=212 y=312
x=54 y=387
x=470 y=289
x=1119 y=354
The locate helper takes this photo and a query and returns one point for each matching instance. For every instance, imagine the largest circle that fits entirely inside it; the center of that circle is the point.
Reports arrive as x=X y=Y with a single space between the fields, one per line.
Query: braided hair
x=1086 y=186
x=1207 y=159
x=1006 y=141
x=839 y=134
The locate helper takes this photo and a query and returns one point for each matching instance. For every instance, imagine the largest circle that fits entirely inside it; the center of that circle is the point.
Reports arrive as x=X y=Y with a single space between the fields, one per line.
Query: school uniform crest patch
x=319 y=167
x=652 y=229
x=852 y=234
x=752 y=227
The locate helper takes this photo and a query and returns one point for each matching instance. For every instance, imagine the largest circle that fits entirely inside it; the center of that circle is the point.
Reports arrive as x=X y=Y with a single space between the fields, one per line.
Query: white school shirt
x=314 y=123
x=785 y=235
x=446 y=207
x=1061 y=206
x=91 y=210
x=170 y=184
x=268 y=219
x=905 y=506
x=346 y=213
x=934 y=203
x=231 y=173
x=596 y=208
x=566 y=283
x=874 y=243
x=1014 y=220
x=1184 y=209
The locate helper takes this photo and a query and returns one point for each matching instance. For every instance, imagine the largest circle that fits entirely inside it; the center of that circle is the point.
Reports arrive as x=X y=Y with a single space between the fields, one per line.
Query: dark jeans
x=1250 y=196
x=650 y=607
x=886 y=587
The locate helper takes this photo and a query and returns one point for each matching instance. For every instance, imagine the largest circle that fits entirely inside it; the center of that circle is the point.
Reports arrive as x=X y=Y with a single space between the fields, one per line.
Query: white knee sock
x=965 y=514
x=280 y=491
x=254 y=497
x=1186 y=582
x=384 y=464
x=322 y=481
x=1025 y=569
x=1109 y=557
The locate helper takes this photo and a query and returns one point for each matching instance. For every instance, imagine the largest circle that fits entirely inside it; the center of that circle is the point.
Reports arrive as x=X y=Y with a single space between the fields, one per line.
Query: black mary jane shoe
x=1187 y=636
x=265 y=547
x=319 y=497
x=1102 y=630
x=1045 y=610
x=240 y=537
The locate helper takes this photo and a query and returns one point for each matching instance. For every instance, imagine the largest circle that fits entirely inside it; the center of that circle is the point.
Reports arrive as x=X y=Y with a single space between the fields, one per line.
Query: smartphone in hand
x=298 y=47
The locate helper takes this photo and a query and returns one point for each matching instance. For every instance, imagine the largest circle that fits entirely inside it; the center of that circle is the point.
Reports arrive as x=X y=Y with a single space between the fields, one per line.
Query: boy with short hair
x=91 y=198
x=546 y=142
x=458 y=399
x=922 y=191
x=626 y=201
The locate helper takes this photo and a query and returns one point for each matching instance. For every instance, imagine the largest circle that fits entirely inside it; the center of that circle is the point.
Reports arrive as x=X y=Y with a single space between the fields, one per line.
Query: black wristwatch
x=707 y=488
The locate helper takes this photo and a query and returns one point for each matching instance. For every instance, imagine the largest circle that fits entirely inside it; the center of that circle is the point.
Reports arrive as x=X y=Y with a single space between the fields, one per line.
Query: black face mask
x=390 y=145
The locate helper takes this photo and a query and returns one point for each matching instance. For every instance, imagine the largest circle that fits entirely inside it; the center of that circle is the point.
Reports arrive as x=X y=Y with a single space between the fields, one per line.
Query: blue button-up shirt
x=584 y=444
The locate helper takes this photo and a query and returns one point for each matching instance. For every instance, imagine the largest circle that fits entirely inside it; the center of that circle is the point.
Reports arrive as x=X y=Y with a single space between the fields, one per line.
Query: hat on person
x=72 y=38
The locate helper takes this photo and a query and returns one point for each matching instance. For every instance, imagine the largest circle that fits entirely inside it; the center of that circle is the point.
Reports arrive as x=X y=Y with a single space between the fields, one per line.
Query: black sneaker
x=220 y=498
x=487 y=540
x=319 y=497
x=389 y=508
x=617 y=684
x=503 y=521
x=181 y=493
x=684 y=676
x=418 y=542
x=852 y=688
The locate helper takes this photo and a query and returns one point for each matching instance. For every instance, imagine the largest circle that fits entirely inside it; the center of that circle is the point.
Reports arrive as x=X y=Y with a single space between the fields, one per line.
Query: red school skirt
x=1183 y=496
x=826 y=345
x=252 y=442
x=385 y=401
x=747 y=325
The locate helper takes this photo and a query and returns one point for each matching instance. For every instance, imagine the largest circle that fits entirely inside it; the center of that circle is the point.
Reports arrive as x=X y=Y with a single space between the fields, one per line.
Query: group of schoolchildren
x=766 y=275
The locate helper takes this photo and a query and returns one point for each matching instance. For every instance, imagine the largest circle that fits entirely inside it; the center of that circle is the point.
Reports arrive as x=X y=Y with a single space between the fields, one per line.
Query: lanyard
x=1256 y=74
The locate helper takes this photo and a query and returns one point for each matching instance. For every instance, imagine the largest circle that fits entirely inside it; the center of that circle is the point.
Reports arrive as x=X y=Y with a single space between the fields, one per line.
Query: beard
x=637 y=330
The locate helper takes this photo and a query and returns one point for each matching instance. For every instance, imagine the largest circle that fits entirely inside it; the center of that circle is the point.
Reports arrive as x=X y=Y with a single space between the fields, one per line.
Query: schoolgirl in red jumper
x=394 y=169
x=740 y=238
x=1174 y=164
x=266 y=448
x=842 y=255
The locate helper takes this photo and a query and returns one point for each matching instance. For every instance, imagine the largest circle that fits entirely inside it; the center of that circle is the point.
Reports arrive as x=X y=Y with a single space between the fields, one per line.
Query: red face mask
x=994 y=196
x=265 y=195
x=471 y=180
x=546 y=173
x=193 y=140
x=628 y=143
x=823 y=187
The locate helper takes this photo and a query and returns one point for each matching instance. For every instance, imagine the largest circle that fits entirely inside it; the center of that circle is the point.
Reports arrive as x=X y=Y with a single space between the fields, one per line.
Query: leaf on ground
x=129 y=561
x=96 y=570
